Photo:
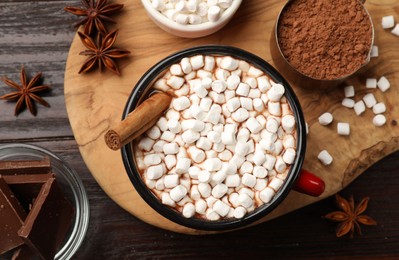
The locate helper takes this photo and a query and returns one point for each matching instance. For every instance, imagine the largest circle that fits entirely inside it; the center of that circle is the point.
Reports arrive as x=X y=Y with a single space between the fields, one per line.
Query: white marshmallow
x=325 y=157
x=214 y=137
x=218 y=148
x=161 y=85
x=276 y=92
x=253 y=125
x=228 y=138
x=197 y=62
x=174 y=126
x=219 y=190
x=172 y=114
x=371 y=83
x=209 y=60
x=280 y=165
x=170 y=161
x=349 y=91
x=210 y=213
x=275 y=184
x=159 y=184
x=182 y=166
x=217 y=98
x=369 y=100
x=263 y=84
x=158 y=146
x=243 y=134
x=162 y=124
x=233 y=104
x=167 y=200
x=248 y=180
x=289 y=156
x=266 y=195
x=155 y=172
x=222 y=74
x=272 y=125
x=260 y=185
x=270 y=162
x=219 y=177
x=240 y=115
x=192 y=124
x=242 y=89
x=288 y=141
x=343 y=128
x=258 y=105
x=259 y=158
x=347 y=102
x=229 y=168
x=396 y=30
x=146 y=144
x=206 y=82
x=288 y=123
x=200 y=206
x=204 y=176
x=200 y=90
x=178 y=193
x=379 y=120
x=237 y=160
x=267 y=145
x=197 y=155
x=374 y=51
x=383 y=83
x=212 y=164
x=379 y=108
x=190 y=136
x=171 y=148
x=221 y=208
x=181 y=103
x=246 y=167
x=233 y=81
x=225 y=155
x=213 y=115
x=154 y=133
x=251 y=82
x=204 y=144
x=274 y=108
x=175 y=82
x=359 y=107
x=193 y=172
x=197 y=112
x=229 y=94
x=214 y=13
x=246 y=103
x=259 y=172
x=326 y=119
x=233 y=180
x=239 y=212
x=205 y=189
x=219 y=86
x=171 y=180
x=188 y=210
x=388 y=22
x=152 y=159
x=205 y=104
x=228 y=63
x=186 y=66
x=254 y=72
x=176 y=70
x=245 y=200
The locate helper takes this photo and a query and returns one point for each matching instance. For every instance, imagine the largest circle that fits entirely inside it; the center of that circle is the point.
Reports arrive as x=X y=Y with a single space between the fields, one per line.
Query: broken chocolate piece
x=48 y=222
x=24 y=253
x=25 y=167
x=27 y=187
x=12 y=217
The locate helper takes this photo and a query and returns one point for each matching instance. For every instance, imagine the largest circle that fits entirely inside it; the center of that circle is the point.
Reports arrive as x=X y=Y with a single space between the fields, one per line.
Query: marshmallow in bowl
x=227 y=142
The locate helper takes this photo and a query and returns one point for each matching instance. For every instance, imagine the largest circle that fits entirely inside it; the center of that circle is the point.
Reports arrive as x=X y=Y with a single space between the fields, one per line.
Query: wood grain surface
x=38 y=34
x=95 y=103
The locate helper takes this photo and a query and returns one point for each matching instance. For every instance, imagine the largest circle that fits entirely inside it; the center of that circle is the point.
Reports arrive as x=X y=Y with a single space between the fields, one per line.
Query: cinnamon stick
x=138 y=121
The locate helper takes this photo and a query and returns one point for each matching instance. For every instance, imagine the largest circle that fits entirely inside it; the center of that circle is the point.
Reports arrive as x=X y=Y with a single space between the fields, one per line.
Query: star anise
x=96 y=12
x=26 y=93
x=101 y=53
x=350 y=216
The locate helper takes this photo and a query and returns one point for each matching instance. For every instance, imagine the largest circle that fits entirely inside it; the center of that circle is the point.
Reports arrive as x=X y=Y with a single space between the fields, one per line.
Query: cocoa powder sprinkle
x=325 y=39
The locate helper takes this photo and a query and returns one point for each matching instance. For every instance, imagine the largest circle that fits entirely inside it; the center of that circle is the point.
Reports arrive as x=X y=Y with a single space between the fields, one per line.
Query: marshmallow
x=159 y=184
x=197 y=62
x=254 y=72
x=251 y=82
x=197 y=112
x=182 y=166
x=289 y=141
x=396 y=30
x=274 y=108
x=243 y=134
x=289 y=156
x=276 y=92
x=229 y=94
x=171 y=180
x=178 y=193
x=347 y=102
x=181 y=103
x=280 y=165
x=158 y=146
x=246 y=167
x=228 y=138
x=259 y=172
x=197 y=155
x=266 y=195
x=217 y=98
x=379 y=108
x=211 y=214
x=221 y=208
x=343 y=128
x=214 y=13
x=233 y=180
x=325 y=157
x=192 y=124
x=214 y=137
x=155 y=172
x=146 y=144
x=272 y=125
x=246 y=103
x=205 y=104
x=374 y=51
x=325 y=119
x=263 y=84
x=175 y=82
x=379 y=120
x=205 y=189
x=239 y=212
x=259 y=158
x=275 y=184
x=229 y=168
x=219 y=177
x=288 y=123
x=213 y=115
x=161 y=85
x=233 y=104
x=228 y=63
x=176 y=70
x=242 y=89
x=225 y=155
x=206 y=82
x=185 y=66
x=170 y=161
x=209 y=60
x=152 y=159
x=270 y=162
x=188 y=210
x=383 y=83
x=237 y=160
x=240 y=115
x=212 y=164
x=369 y=100
x=349 y=91
x=190 y=136
x=174 y=126
x=154 y=133
x=253 y=125
x=371 y=83
x=245 y=200
x=219 y=190
x=167 y=200
x=258 y=105
x=248 y=180
x=260 y=185
x=267 y=145
x=172 y=114
x=162 y=124
x=222 y=75
x=204 y=144
x=241 y=148
x=233 y=81
x=388 y=22
x=193 y=172
x=204 y=176
x=171 y=148
x=219 y=86
x=200 y=206
x=200 y=90
x=359 y=107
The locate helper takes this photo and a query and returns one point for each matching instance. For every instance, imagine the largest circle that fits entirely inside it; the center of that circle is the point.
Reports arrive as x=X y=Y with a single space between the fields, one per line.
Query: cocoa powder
x=325 y=39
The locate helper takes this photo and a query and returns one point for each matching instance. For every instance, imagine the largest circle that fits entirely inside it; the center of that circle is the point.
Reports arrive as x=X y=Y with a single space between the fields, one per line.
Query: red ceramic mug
x=297 y=179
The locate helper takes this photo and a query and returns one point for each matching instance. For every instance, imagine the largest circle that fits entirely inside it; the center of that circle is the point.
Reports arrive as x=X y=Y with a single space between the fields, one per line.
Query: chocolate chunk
x=24 y=253
x=25 y=167
x=27 y=187
x=12 y=217
x=48 y=222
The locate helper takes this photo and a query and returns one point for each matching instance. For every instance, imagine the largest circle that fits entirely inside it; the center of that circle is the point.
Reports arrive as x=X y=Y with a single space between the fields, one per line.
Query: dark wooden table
x=38 y=34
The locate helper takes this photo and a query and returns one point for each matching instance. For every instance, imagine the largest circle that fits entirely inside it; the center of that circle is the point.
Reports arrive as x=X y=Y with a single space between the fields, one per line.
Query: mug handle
x=309 y=184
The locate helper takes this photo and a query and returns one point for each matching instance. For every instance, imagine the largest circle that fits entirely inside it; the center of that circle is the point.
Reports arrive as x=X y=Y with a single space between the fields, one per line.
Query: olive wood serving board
x=95 y=102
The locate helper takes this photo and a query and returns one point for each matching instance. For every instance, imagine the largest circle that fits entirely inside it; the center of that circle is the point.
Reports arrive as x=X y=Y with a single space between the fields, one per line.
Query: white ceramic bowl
x=190 y=31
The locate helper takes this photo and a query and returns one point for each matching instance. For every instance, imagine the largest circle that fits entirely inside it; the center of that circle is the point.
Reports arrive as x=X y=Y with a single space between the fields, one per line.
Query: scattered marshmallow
x=349 y=91
x=379 y=108
x=347 y=102
x=374 y=51
x=359 y=107
x=396 y=30
x=383 y=83
x=369 y=100
x=371 y=83
x=388 y=22
x=343 y=128
x=379 y=120
x=325 y=157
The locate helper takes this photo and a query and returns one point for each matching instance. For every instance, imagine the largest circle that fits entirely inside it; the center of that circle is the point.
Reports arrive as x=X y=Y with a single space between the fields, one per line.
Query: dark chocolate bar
x=25 y=167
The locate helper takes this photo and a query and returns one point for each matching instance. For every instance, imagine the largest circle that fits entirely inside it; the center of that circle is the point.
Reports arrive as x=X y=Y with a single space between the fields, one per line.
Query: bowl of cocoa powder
x=323 y=40
x=230 y=145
